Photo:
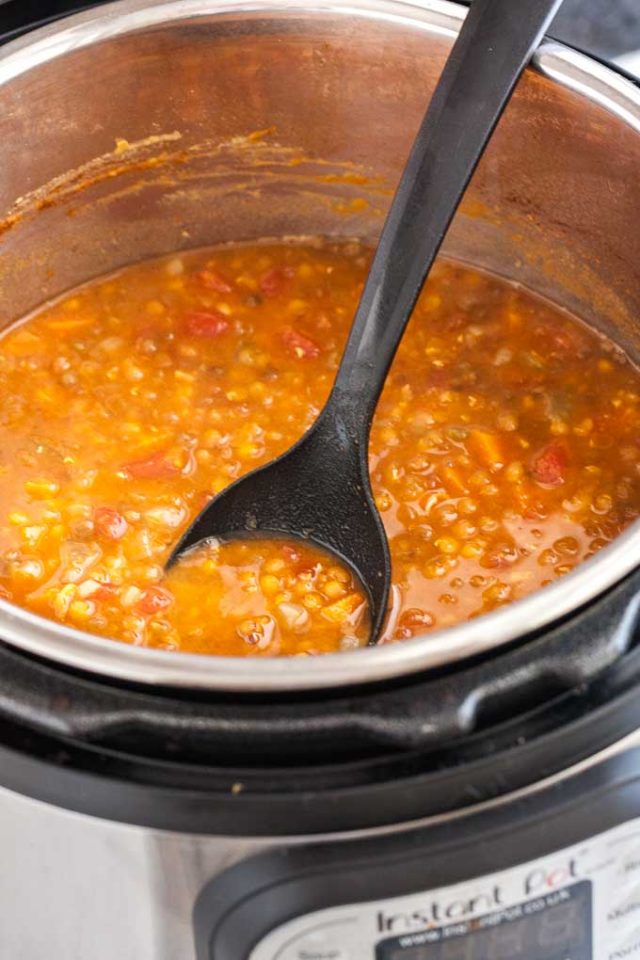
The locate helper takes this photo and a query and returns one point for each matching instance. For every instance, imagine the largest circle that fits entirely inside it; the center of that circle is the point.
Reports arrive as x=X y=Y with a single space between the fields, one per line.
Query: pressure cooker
x=471 y=794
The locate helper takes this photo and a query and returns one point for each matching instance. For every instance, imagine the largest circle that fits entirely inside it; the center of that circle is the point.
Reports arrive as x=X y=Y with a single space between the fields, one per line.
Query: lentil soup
x=504 y=450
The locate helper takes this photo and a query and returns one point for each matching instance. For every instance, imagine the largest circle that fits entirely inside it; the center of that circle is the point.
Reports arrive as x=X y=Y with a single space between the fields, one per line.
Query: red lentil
x=505 y=448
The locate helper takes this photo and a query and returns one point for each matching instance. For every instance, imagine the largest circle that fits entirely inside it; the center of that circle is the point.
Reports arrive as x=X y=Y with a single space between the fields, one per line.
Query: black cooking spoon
x=320 y=489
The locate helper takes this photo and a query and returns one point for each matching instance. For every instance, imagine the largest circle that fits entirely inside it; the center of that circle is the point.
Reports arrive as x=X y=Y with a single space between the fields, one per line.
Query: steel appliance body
x=469 y=795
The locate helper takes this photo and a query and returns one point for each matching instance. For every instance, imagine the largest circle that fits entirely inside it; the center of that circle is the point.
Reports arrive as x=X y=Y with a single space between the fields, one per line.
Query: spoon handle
x=494 y=45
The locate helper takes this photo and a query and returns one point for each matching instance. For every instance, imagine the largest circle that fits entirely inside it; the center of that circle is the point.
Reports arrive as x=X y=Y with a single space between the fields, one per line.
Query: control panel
x=581 y=903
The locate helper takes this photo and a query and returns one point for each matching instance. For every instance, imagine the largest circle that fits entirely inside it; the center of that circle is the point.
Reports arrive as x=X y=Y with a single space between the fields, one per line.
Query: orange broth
x=505 y=449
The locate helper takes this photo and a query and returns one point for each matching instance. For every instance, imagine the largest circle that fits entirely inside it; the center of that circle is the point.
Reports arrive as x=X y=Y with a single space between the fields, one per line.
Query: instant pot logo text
x=433 y=913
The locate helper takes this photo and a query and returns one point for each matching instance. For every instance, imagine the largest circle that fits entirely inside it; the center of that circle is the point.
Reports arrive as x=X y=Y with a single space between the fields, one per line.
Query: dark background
x=606 y=28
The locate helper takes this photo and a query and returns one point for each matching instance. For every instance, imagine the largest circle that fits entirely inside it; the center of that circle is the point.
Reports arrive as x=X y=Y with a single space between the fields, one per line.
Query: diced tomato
x=153 y=601
x=301 y=347
x=272 y=283
x=154 y=467
x=109 y=523
x=549 y=464
x=212 y=280
x=209 y=323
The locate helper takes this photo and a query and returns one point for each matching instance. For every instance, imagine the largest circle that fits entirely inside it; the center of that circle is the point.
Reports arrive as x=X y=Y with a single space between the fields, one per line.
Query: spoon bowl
x=281 y=499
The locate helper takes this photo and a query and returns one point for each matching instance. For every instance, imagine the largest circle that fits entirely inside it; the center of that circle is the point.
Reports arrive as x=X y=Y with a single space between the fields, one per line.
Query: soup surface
x=504 y=451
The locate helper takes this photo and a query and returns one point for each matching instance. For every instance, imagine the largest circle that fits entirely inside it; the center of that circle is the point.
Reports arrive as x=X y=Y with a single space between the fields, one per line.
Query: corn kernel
x=472 y=550
x=333 y=590
x=498 y=593
x=435 y=569
x=81 y=610
x=339 y=574
x=584 y=427
x=447 y=545
x=249 y=450
x=464 y=529
x=558 y=427
x=42 y=488
x=312 y=601
x=33 y=534
x=514 y=473
x=269 y=584
x=297 y=306
x=155 y=307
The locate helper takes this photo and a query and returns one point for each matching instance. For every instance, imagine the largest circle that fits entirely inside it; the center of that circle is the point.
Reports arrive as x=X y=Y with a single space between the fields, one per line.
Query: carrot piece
x=487 y=447
x=454 y=480
x=73 y=323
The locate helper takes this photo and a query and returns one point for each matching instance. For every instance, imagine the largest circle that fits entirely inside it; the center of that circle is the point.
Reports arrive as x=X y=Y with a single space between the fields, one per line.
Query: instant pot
x=472 y=794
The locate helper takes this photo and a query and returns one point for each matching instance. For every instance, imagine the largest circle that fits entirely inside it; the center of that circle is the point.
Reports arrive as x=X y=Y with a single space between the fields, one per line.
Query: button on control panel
x=324 y=943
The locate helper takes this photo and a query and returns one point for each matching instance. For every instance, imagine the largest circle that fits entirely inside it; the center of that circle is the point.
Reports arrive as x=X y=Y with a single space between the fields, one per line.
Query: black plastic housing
x=329 y=760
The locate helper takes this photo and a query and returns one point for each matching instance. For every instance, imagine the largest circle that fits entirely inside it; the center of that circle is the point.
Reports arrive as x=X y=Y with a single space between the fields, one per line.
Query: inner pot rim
x=107 y=657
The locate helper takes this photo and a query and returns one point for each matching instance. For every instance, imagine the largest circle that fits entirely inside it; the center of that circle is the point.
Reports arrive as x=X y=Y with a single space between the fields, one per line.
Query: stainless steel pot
x=145 y=127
